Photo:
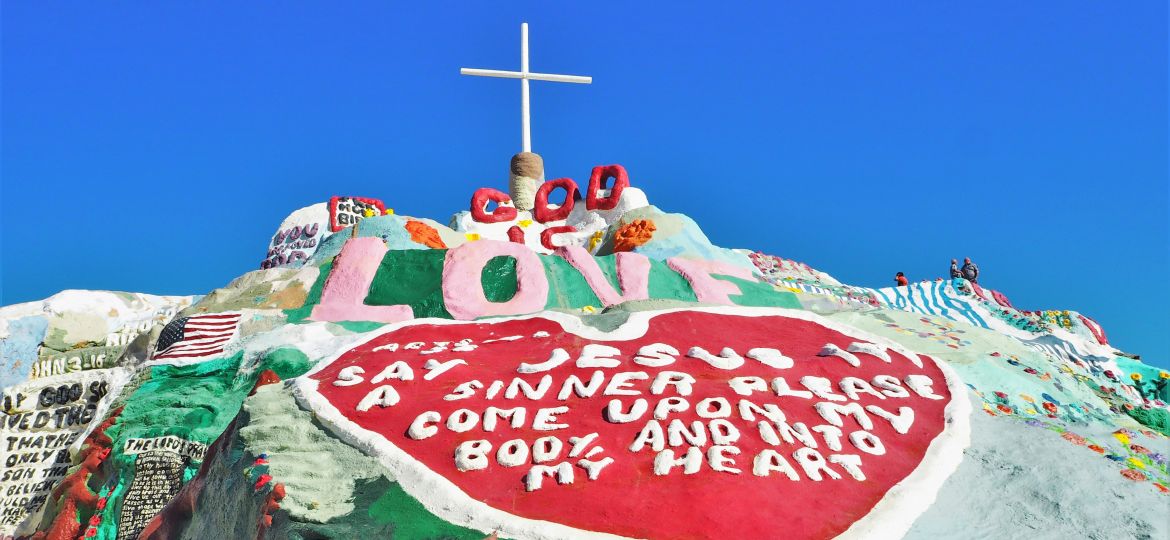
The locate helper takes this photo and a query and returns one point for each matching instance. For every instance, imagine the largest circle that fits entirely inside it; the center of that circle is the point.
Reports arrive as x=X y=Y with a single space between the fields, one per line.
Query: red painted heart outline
x=890 y=517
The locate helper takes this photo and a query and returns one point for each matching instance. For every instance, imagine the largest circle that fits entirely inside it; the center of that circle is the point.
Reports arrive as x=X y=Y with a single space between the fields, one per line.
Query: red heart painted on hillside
x=704 y=423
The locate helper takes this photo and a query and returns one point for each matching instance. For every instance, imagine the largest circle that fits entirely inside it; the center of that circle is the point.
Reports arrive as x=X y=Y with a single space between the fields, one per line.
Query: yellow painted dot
x=525 y=222
x=471 y=237
x=388 y=212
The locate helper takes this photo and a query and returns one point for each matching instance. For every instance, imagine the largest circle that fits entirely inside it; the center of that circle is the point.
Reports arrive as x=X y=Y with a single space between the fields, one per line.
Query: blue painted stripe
x=950 y=301
x=899 y=300
x=911 y=305
x=938 y=299
x=966 y=310
x=917 y=287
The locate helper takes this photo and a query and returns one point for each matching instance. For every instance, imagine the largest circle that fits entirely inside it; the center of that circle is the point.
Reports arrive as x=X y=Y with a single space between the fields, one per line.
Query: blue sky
x=155 y=146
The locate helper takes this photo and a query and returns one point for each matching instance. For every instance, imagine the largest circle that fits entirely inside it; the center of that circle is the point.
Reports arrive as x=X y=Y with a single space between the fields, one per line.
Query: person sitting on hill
x=955 y=269
x=900 y=278
x=970 y=271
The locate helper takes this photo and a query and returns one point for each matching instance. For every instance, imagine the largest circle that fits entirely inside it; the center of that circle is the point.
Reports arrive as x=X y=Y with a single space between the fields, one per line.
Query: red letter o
x=479 y=203
x=541 y=210
x=601 y=173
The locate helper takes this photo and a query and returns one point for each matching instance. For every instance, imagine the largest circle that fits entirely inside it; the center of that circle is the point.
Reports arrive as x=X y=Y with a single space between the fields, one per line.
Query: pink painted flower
x=1139 y=449
x=1074 y=438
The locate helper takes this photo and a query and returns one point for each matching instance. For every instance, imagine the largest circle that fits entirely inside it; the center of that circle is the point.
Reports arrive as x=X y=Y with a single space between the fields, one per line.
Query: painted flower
x=1161 y=488
x=1004 y=408
x=1096 y=449
x=1074 y=438
x=1135 y=376
x=1131 y=474
x=1164 y=375
x=1031 y=371
x=1000 y=395
x=1139 y=449
x=1121 y=436
x=1135 y=463
x=633 y=234
x=1159 y=458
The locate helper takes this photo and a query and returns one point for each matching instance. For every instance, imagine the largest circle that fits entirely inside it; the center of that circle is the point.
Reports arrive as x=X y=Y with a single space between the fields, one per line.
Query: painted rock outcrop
x=593 y=368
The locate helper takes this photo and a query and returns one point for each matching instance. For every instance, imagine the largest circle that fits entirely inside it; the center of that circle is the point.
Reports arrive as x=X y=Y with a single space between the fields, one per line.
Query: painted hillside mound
x=595 y=368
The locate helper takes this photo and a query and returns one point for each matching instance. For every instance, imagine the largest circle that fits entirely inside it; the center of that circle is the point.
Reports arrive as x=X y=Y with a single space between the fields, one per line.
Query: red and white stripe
x=203 y=335
x=1095 y=329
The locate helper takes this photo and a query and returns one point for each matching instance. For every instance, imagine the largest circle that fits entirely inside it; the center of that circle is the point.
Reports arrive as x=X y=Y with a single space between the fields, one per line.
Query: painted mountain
x=595 y=368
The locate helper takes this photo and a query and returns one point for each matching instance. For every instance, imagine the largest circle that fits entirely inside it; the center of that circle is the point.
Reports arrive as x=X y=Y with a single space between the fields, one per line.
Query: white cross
x=524 y=75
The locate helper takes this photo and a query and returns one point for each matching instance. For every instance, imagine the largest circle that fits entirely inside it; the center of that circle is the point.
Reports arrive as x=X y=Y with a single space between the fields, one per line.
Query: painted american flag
x=197 y=336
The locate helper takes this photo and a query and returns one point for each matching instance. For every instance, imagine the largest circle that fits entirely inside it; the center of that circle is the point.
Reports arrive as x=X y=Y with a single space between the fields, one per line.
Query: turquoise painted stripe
x=967 y=311
x=900 y=301
x=954 y=303
x=938 y=299
x=912 y=306
x=917 y=287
